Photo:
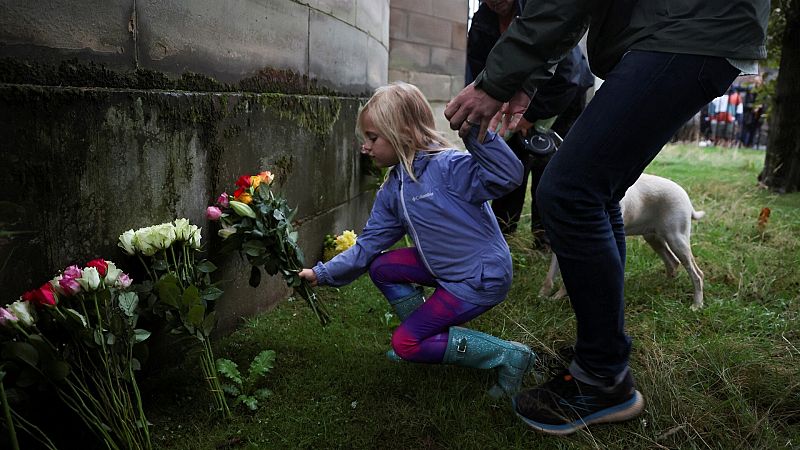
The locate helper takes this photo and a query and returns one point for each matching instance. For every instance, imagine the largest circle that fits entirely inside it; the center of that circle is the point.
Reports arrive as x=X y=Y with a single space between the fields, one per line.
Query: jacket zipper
x=411 y=225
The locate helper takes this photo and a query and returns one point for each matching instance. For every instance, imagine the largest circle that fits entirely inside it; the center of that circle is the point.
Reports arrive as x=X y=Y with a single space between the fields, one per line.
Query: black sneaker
x=564 y=405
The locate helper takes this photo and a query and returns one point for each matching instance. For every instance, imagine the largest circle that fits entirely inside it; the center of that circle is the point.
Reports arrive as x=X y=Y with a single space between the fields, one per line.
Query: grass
x=727 y=376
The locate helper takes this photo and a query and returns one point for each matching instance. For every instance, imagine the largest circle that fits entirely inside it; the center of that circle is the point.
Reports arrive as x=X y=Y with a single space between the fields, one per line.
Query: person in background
x=439 y=197
x=556 y=105
x=661 y=62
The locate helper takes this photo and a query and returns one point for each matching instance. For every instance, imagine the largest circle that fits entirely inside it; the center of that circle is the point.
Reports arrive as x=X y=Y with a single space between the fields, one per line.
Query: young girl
x=439 y=197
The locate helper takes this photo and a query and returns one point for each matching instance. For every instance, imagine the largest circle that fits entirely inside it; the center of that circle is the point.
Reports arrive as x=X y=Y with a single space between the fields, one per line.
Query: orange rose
x=246 y=198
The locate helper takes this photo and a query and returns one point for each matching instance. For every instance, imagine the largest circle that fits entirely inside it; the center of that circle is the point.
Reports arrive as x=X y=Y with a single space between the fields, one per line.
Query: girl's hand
x=309 y=275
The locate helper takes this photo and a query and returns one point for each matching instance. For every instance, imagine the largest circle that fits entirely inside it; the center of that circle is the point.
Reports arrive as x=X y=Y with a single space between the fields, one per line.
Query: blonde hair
x=402 y=116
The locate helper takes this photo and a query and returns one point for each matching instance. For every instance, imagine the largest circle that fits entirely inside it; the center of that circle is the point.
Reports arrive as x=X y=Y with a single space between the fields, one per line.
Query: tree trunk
x=782 y=162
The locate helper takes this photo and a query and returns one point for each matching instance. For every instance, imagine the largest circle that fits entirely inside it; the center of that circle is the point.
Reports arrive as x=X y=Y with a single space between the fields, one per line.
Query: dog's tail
x=697 y=215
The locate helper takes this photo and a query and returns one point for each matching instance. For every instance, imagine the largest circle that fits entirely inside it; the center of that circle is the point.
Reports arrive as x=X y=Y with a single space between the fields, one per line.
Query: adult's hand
x=510 y=114
x=469 y=108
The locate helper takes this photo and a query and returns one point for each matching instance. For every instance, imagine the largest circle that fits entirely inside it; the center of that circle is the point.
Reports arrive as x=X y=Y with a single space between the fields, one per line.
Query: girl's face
x=376 y=146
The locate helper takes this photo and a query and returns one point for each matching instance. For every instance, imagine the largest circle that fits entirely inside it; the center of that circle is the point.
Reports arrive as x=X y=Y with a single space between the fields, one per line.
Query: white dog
x=659 y=210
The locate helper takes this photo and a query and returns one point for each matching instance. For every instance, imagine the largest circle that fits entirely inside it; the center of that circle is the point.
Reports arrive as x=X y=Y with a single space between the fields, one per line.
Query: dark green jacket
x=547 y=29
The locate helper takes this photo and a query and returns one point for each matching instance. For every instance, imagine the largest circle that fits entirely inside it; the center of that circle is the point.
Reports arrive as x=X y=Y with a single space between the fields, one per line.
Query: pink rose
x=70 y=286
x=73 y=272
x=222 y=200
x=6 y=316
x=213 y=213
x=124 y=280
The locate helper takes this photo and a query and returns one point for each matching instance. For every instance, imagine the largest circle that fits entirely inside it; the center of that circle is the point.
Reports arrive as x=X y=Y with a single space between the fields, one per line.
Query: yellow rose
x=246 y=198
x=254 y=182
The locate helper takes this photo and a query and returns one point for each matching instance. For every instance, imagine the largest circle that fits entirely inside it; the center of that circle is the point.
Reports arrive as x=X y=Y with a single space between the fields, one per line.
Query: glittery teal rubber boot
x=403 y=307
x=470 y=348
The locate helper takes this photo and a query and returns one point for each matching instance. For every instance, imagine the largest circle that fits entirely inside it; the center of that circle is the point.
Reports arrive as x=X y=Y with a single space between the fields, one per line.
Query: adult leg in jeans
x=641 y=104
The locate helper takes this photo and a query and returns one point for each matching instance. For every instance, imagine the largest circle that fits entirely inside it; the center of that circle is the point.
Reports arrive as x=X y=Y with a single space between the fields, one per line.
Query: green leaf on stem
x=22 y=351
x=206 y=266
x=263 y=393
x=261 y=364
x=196 y=315
x=140 y=335
x=168 y=290
x=127 y=303
x=56 y=370
x=248 y=401
x=211 y=293
x=209 y=323
x=229 y=369
x=190 y=297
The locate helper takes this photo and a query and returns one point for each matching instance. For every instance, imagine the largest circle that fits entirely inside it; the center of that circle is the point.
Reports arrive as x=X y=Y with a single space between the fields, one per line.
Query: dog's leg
x=547 y=286
x=662 y=250
x=680 y=245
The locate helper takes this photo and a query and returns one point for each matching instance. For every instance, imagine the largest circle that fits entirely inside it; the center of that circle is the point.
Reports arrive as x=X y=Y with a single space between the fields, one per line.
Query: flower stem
x=12 y=434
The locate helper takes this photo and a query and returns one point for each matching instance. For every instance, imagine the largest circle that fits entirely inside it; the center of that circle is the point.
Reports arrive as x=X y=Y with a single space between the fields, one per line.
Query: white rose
x=112 y=273
x=143 y=241
x=126 y=242
x=183 y=230
x=194 y=239
x=163 y=235
x=90 y=279
x=23 y=311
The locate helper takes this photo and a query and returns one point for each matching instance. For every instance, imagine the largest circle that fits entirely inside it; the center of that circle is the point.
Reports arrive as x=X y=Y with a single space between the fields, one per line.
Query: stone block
x=377 y=63
x=453 y=10
x=459 y=38
x=399 y=75
x=435 y=86
x=372 y=16
x=418 y=6
x=398 y=24
x=407 y=55
x=337 y=53
x=344 y=10
x=227 y=40
x=429 y=30
x=56 y=30
x=448 y=61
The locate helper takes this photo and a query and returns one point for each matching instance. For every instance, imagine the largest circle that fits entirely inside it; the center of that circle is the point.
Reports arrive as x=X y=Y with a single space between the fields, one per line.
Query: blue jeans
x=641 y=104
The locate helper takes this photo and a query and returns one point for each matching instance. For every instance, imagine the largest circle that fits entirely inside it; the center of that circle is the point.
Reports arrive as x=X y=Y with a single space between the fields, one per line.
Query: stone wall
x=428 y=42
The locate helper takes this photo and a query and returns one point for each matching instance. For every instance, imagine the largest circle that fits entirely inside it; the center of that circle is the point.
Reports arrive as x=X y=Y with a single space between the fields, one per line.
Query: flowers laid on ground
x=258 y=223
x=77 y=333
x=180 y=287
x=337 y=244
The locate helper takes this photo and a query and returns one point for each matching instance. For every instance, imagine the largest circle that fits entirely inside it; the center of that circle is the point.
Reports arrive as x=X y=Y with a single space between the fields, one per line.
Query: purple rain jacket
x=447 y=214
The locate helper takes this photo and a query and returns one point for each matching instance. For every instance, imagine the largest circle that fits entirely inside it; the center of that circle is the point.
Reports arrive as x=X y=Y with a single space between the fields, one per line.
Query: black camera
x=541 y=144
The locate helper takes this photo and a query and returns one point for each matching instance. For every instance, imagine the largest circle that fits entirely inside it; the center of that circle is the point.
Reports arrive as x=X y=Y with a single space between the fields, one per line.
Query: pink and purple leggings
x=422 y=337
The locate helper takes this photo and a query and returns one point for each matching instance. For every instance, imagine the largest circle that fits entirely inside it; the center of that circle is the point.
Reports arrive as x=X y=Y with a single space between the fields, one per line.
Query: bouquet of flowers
x=180 y=288
x=337 y=244
x=78 y=333
x=258 y=223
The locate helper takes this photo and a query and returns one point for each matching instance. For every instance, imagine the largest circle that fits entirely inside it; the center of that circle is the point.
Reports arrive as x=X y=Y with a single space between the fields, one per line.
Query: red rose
x=100 y=264
x=237 y=193
x=43 y=296
x=243 y=181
